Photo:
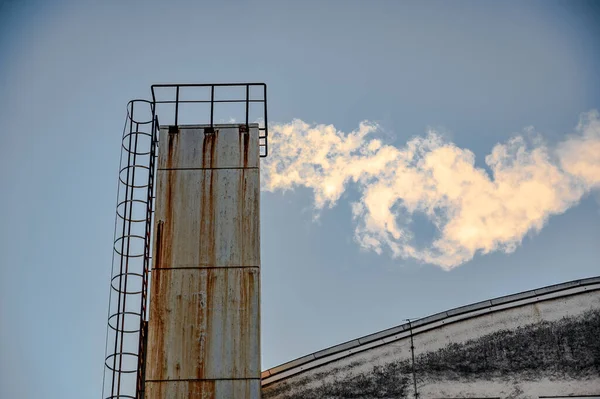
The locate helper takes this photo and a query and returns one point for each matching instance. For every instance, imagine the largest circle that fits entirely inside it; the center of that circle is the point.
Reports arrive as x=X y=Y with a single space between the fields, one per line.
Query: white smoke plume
x=472 y=210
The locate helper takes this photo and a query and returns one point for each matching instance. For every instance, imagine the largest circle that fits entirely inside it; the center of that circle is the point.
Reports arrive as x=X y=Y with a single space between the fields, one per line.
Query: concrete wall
x=204 y=325
x=538 y=343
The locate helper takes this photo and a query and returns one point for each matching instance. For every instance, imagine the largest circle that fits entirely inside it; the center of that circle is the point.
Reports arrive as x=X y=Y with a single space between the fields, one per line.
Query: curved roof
x=427 y=323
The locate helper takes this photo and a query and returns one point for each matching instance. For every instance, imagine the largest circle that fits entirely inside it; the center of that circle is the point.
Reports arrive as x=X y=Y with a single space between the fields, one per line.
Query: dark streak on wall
x=389 y=381
x=565 y=349
x=569 y=347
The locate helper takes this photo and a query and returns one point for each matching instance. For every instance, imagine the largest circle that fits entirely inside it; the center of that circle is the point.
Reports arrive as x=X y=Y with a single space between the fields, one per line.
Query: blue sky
x=477 y=73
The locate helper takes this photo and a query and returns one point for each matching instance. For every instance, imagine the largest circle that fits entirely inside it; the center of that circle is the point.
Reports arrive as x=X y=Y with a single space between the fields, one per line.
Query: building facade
x=543 y=343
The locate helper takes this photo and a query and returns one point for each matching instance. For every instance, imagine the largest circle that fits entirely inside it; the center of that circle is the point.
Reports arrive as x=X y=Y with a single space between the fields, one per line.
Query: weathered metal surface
x=225 y=148
x=210 y=218
x=243 y=389
x=204 y=326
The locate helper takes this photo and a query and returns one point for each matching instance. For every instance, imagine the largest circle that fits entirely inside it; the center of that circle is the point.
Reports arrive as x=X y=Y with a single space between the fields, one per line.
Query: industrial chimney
x=202 y=200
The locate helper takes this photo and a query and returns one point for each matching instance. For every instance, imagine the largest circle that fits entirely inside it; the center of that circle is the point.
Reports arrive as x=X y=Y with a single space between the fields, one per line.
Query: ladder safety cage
x=127 y=329
x=128 y=297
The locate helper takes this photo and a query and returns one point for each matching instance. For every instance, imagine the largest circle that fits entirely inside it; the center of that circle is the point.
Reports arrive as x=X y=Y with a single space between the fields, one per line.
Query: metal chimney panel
x=204 y=326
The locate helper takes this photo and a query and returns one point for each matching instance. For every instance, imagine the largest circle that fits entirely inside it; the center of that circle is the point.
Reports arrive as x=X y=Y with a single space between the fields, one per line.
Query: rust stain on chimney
x=205 y=304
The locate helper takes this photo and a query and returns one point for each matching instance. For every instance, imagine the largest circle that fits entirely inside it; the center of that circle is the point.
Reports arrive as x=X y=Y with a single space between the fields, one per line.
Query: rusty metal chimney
x=204 y=327
x=202 y=337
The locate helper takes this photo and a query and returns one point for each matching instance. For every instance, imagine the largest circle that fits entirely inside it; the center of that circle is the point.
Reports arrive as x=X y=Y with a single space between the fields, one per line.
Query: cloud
x=473 y=211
